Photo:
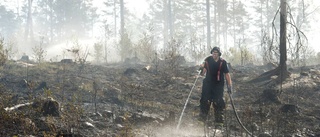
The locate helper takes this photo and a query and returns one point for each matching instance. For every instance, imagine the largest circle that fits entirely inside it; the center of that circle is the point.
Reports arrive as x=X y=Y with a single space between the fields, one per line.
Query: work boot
x=202 y=117
x=219 y=117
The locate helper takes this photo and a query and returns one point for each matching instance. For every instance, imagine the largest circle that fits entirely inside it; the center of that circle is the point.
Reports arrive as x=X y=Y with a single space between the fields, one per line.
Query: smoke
x=170 y=131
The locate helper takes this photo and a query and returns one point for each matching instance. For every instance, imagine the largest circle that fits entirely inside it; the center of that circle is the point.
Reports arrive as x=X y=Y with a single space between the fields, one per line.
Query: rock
x=68 y=61
x=42 y=86
x=270 y=65
x=14 y=99
x=120 y=120
x=180 y=59
x=171 y=116
x=290 y=108
x=174 y=60
x=269 y=95
x=25 y=58
x=23 y=83
x=2 y=110
x=139 y=118
x=112 y=95
x=170 y=119
x=133 y=60
x=255 y=127
x=107 y=114
x=29 y=125
x=304 y=74
x=65 y=133
x=42 y=125
x=130 y=72
x=314 y=72
x=50 y=108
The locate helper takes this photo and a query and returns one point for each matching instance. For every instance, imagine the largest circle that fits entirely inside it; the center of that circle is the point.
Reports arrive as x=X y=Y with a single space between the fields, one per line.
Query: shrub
x=3 y=53
x=39 y=52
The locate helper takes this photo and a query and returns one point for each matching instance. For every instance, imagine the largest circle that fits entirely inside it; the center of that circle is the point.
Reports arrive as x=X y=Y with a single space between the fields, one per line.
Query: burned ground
x=135 y=99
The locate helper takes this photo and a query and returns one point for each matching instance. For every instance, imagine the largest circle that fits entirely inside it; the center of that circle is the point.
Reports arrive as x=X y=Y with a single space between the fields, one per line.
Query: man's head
x=216 y=50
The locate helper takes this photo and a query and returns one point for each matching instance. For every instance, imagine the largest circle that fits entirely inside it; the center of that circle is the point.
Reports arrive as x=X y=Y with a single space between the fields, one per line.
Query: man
x=216 y=71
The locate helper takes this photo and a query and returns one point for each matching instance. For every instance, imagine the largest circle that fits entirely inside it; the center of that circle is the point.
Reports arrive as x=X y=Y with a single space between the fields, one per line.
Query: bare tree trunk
x=122 y=17
x=106 y=36
x=215 y=22
x=115 y=17
x=226 y=26
x=283 y=34
x=234 y=23
x=170 y=19
x=208 y=25
x=281 y=70
x=165 y=24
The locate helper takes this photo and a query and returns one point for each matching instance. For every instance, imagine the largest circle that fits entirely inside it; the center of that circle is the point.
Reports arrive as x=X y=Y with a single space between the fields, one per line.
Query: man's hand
x=201 y=67
x=229 y=89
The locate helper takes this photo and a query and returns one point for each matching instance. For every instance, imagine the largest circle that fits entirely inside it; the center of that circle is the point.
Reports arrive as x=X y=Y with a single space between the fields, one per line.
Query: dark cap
x=216 y=49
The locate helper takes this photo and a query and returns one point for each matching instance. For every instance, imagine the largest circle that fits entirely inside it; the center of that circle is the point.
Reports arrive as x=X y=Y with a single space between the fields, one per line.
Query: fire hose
x=237 y=117
x=185 y=105
x=232 y=104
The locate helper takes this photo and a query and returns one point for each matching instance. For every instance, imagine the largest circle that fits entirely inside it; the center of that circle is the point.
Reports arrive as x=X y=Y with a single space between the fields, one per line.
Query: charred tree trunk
x=281 y=71
x=283 y=41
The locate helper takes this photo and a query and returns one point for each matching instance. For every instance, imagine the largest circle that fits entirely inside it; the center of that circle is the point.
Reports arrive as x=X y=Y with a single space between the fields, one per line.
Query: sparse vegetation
x=146 y=47
x=79 y=54
x=39 y=52
x=171 y=59
x=3 y=52
x=242 y=56
x=129 y=97
x=125 y=47
x=98 y=50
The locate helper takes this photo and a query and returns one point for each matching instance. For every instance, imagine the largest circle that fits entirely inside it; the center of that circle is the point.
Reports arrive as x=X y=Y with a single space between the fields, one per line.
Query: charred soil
x=61 y=99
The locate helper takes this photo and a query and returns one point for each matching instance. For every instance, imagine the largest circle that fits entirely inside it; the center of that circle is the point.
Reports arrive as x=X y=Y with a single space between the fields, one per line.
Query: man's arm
x=228 y=78
x=203 y=69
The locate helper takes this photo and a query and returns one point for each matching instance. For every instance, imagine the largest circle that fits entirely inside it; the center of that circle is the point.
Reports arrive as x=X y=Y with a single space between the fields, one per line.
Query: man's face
x=215 y=54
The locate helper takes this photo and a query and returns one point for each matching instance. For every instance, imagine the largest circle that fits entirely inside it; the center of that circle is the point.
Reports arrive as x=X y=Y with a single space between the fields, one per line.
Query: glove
x=201 y=68
x=229 y=89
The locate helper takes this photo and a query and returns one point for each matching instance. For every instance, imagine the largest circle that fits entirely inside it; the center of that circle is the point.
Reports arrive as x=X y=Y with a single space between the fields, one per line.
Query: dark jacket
x=212 y=68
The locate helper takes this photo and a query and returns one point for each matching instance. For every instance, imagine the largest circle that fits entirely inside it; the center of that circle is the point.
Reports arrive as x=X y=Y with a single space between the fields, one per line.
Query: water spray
x=185 y=105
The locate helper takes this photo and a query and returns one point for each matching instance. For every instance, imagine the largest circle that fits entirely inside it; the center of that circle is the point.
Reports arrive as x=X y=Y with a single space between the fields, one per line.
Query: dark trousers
x=212 y=94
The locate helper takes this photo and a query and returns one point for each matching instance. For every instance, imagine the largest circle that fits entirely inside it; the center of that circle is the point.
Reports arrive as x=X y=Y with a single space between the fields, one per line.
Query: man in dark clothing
x=216 y=71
